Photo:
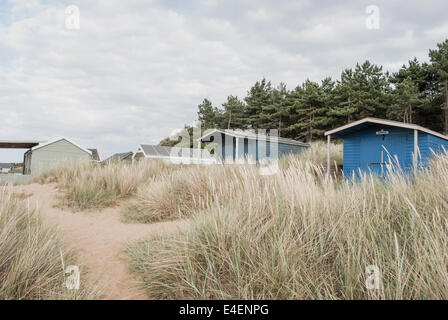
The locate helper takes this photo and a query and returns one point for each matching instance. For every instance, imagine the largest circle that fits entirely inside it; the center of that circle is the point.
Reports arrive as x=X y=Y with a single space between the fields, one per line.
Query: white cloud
x=260 y=15
x=437 y=33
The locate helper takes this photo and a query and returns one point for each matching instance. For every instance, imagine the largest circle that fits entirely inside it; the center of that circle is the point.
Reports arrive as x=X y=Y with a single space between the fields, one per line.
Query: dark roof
x=246 y=134
x=95 y=155
x=11 y=144
x=162 y=151
x=151 y=150
x=6 y=165
x=119 y=156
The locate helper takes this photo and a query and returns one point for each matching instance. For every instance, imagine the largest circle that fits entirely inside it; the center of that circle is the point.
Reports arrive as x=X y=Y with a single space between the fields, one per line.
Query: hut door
x=372 y=155
x=380 y=154
x=394 y=153
x=246 y=149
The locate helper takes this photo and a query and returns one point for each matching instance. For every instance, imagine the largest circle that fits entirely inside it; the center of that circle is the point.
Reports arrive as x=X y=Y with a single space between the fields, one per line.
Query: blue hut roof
x=366 y=122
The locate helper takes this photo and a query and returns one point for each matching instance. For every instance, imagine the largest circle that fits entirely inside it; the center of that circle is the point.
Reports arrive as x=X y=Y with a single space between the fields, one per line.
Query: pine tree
x=278 y=110
x=208 y=115
x=416 y=71
x=406 y=100
x=258 y=100
x=328 y=90
x=233 y=113
x=344 y=109
x=310 y=112
x=361 y=93
x=370 y=91
x=439 y=63
x=428 y=113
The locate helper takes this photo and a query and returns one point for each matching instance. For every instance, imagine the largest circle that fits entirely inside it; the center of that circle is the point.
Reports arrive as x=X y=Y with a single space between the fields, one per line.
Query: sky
x=134 y=71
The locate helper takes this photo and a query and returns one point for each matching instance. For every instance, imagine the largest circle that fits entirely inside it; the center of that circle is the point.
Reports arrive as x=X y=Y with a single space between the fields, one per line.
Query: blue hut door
x=394 y=153
x=381 y=153
x=371 y=154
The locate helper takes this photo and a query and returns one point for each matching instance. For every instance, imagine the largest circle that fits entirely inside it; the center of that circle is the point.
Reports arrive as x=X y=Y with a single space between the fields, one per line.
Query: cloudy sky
x=136 y=70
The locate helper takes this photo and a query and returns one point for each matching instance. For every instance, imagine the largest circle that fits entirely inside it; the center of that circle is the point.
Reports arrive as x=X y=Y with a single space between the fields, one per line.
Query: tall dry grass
x=317 y=155
x=31 y=254
x=181 y=193
x=160 y=192
x=299 y=235
x=94 y=186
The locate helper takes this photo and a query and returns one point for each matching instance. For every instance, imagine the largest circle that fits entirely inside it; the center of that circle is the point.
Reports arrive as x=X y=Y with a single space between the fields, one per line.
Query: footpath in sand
x=98 y=238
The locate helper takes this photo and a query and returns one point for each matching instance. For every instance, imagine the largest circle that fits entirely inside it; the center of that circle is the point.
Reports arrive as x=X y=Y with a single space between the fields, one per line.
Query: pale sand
x=98 y=238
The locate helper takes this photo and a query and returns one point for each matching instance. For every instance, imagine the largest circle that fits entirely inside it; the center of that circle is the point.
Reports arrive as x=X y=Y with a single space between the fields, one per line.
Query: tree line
x=417 y=93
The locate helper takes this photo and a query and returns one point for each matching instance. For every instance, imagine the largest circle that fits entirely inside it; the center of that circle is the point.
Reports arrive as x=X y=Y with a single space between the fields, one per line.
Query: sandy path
x=99 y=239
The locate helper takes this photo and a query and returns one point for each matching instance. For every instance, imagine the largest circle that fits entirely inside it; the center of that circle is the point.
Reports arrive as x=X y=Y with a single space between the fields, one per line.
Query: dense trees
x=417 y=93
x=209 y=116
x=406 y=101
x=439 y=67
x=232 y=115
x=309 y=112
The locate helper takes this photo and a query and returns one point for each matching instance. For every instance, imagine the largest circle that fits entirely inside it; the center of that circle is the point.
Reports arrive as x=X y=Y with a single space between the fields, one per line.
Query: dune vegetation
x=151 y=186
x=317 y=155
x=94 y=186
x=32 y=257
x=295 y=234
x=180 y=193
x=302 y=235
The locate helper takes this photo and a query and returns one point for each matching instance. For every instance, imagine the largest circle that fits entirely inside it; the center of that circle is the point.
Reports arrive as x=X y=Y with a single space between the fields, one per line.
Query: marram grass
x=181 y=193
x=302 y=236
x=297 y=234
x=32 y=257
x=95 y=186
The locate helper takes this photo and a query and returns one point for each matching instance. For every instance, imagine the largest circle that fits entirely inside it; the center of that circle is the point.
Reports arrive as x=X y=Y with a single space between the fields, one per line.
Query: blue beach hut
x=378 y=145
x=237 y=146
